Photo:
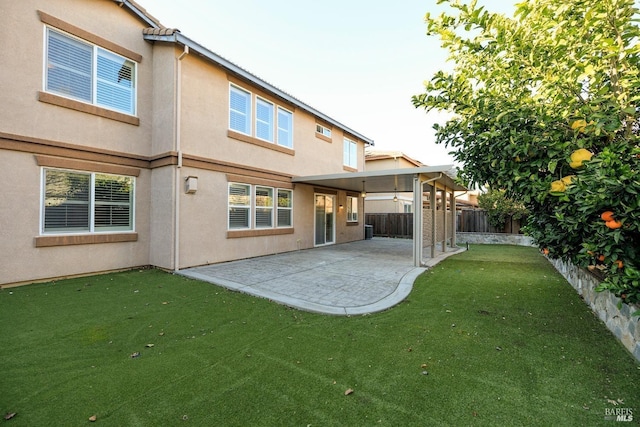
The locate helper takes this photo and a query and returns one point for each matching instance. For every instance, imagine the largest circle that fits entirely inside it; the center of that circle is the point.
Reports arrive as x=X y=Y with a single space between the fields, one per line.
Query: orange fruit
x=607 y=216
x=601 y=257
x=613 y=224
x=579 y=156
x=545 y=251
x=619 y=263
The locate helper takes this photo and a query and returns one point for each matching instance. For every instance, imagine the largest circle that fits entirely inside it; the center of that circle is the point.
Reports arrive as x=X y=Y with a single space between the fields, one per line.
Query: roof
x=371 y=155
x=383 y=181
x=159 y=33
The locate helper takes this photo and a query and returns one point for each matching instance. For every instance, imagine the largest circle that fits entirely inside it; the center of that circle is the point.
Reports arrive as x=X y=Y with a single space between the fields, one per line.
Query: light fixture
x=395 y=194
x=364 y=193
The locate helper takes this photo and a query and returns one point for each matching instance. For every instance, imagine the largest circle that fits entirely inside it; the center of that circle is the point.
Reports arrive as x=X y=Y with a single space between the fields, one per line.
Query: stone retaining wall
x=494 y=238
x=619 y=321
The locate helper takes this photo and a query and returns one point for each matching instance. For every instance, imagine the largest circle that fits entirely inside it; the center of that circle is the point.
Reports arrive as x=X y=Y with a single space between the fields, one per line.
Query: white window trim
x=271 y=208
x=290 y=209
x=92 y=228
x=94 y=72
x=323 y=130
x=249 y=113
x=353 y=199
x=352 y=163
x=278 y=127
x=253 y=118
x=253 y=207
x=249 y=207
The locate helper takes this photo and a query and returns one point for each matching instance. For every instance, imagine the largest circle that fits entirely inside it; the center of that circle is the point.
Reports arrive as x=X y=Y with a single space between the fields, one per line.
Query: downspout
x=178 y=148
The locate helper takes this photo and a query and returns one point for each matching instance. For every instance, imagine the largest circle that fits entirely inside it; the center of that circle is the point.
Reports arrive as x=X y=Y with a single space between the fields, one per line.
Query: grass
x=492 y=336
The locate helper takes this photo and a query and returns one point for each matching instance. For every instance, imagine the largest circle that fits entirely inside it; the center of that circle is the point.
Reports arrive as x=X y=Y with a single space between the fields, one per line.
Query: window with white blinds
x=86 y=202
x=271 y=207
x=239 y=110
x=239 y=206
x=77 y=69
x=270 y=122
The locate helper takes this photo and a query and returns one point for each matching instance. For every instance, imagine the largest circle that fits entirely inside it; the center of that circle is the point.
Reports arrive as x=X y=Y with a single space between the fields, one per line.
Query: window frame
x=253 y=207
x=248 y=114
x=351 y=215
x=96 y=52
x=284 y=208
x=350 y=155
x=323 y=130
x=274 y=121
x=238 y=206
x=92 y=203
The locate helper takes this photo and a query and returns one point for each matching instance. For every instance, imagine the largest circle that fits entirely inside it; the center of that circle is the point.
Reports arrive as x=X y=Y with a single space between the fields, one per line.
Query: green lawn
x=492 y=336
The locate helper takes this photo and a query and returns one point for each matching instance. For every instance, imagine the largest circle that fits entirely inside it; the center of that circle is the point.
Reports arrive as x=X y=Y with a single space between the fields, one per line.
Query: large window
x=271 y=123
x=268 y=212
x=88 y=73
x=352 y=209
x=350 y=153
x=78 y=202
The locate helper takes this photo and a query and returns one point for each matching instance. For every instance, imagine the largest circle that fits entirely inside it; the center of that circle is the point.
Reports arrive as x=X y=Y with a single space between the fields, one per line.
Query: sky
x=357 y=61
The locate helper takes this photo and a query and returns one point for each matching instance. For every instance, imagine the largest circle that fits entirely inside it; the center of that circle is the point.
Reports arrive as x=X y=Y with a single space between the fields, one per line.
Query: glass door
x=325 y=220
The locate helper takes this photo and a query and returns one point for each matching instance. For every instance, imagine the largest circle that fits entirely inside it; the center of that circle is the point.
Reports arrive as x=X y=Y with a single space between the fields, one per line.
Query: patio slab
x=361 y=277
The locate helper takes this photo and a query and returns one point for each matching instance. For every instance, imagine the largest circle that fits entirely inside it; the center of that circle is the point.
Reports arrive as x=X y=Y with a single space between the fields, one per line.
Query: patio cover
x=395 y=180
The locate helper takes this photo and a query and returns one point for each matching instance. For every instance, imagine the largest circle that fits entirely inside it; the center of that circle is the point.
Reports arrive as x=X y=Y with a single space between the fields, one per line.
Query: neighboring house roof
x=160 y=33
x=371 y=155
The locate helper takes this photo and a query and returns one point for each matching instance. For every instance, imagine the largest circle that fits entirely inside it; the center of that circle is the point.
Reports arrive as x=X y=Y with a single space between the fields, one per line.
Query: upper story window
x=79 y=70
x=80 y=202
x=323 y=130
x=350 y=153
x=272 y=123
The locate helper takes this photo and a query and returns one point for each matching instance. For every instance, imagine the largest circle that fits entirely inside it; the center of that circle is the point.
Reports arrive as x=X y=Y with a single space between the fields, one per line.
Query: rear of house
x=124 y=143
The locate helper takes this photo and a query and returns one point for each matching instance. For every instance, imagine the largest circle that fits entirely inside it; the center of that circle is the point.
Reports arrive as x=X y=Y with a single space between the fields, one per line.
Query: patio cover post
x=454 y=219
x=434 y=218
x=417 y=220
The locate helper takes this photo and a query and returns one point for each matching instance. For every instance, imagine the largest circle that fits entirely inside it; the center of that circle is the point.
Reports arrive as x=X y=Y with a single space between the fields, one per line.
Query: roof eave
x=179 y=38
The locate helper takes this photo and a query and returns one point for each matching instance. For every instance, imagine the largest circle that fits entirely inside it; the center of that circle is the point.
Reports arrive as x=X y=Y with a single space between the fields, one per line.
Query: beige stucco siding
x=20 y=219
x=23 y=41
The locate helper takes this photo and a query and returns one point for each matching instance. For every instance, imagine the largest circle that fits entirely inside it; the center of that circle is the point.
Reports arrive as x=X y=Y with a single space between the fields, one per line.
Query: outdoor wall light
x=191 y=184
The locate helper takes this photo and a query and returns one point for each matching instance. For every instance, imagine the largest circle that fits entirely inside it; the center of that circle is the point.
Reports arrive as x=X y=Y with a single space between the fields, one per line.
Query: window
x=350 y=153
x=239 y=110
x=86 y=202
x=323 y=130
x=285 y=208
x=285 y=128
x=264 y=120
x=264 y=207
x=272 y=123
x=88 y=73
x=352 y=209
x=407 y=208
x=239 y=206
x=244 y=197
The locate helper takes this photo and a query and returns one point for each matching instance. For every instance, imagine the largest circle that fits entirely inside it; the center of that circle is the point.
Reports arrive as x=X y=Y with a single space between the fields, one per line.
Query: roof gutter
x=177 y=37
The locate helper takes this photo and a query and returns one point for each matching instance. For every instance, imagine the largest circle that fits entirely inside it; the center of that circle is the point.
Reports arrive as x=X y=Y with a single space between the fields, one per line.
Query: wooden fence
x=399 y=225
x=477 y=221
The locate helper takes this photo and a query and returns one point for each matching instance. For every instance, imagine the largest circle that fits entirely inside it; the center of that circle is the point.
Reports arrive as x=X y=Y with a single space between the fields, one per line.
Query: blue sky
x=357 y=61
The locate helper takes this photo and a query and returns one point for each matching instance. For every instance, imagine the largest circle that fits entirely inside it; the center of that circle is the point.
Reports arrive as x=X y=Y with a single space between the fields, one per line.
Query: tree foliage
x=545 y=106
x=501 y=208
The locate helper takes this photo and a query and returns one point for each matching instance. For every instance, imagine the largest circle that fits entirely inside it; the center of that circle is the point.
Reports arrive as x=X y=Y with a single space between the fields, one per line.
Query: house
x=124 y=143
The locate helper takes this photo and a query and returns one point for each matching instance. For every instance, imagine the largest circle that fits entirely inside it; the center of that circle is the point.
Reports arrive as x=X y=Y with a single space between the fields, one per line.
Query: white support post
x=434 y=219
x=417 y=221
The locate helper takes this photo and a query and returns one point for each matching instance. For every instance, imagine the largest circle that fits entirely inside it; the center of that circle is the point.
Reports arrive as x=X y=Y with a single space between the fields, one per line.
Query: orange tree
x=545 y=106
